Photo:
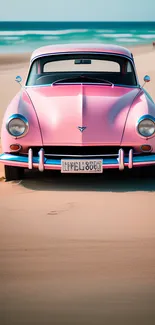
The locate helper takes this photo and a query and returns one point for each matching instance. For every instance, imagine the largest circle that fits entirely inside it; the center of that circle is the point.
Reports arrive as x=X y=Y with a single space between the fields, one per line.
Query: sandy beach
x=76 y=250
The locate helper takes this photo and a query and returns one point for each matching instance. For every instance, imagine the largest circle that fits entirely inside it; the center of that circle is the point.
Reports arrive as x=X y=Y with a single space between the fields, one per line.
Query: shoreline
x=24 y=57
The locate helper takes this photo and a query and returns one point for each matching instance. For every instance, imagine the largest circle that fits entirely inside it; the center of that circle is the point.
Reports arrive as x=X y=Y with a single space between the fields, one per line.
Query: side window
x=129 y=67
x=34 y=68
x=32 y=74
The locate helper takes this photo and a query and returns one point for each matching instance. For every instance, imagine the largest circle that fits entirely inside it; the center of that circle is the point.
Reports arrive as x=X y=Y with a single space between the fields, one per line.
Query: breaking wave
x=28 y=40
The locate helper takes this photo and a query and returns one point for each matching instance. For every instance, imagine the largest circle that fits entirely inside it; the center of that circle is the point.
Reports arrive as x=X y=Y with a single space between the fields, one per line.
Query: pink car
x=81 y=110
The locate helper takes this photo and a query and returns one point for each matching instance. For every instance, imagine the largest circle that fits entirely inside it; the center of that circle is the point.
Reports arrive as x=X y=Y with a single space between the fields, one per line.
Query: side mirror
x=18 y=79
x=147 y=78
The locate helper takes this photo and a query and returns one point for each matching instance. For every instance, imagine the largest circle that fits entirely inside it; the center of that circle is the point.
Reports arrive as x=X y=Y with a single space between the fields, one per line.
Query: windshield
x=116 y=69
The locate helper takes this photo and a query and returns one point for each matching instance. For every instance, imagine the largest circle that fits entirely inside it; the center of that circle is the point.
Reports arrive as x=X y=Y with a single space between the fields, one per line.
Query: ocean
x=18 y=37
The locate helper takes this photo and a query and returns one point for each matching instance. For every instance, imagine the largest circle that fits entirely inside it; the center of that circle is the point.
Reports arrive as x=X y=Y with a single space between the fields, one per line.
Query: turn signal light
x=15 y=147
x=146 y=148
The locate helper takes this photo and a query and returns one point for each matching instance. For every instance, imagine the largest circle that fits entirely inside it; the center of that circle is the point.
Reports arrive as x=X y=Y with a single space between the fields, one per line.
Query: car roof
x=66 y=48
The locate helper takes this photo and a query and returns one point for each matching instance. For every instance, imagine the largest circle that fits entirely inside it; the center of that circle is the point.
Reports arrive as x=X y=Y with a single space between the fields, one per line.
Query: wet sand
x=77 y=249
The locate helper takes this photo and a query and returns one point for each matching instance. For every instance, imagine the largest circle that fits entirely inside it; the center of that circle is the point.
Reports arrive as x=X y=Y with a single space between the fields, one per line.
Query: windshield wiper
x=78 y=78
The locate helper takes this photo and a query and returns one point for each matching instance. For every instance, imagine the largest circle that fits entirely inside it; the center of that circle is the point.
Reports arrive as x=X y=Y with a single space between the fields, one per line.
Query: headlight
x=17 y=125
x=146 y=127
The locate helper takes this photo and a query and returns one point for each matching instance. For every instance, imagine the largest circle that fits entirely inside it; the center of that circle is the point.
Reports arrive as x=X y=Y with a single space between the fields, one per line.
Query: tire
x=13 y=173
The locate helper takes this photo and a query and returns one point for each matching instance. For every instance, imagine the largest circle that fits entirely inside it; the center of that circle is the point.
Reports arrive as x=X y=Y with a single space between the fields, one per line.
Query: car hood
x=61 y=109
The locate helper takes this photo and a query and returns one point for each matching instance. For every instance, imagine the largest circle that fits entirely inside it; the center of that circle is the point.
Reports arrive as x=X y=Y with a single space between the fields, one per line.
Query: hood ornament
x=81 y=128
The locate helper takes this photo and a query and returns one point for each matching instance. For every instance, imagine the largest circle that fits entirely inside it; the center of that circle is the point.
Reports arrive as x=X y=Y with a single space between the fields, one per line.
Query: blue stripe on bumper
x=23 y=159
x=106 y=161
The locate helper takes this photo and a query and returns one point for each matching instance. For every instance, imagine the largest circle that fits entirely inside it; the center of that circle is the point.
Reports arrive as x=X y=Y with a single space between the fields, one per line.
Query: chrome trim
x=41 y=160
x=145 y=117
x=21 y=117
x=30 y=158
x=83 y=156
x=36 y=86
x=130 y=164
x=84 y=83
x=80 y=156
x=121 y=159
x=81 y=128
x=86 y=156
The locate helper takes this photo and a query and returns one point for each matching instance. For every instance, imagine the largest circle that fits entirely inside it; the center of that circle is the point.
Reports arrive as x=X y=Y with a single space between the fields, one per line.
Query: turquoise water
x=26 y=36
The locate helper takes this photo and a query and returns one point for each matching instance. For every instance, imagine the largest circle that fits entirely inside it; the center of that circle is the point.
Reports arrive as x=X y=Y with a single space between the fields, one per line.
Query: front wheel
x=13 y=173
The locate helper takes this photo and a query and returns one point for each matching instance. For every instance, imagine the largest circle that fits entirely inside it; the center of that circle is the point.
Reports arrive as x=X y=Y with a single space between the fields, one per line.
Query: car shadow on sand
x=109 y=181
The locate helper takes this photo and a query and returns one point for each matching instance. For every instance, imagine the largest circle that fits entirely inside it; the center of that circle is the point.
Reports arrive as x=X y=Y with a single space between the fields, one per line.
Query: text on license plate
x=81 y=166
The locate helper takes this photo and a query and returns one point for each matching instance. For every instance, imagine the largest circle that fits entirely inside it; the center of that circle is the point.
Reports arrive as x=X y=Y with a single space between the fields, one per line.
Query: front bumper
x=42 y=162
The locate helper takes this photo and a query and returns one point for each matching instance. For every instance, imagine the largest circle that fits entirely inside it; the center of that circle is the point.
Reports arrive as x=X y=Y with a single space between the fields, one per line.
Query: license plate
x=81 y=166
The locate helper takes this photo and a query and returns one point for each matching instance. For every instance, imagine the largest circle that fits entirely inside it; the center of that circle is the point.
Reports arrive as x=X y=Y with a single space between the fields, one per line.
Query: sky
x=77 y=10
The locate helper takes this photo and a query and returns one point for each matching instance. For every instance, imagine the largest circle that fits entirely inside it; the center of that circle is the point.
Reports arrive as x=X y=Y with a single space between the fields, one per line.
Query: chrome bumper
x=41 y=162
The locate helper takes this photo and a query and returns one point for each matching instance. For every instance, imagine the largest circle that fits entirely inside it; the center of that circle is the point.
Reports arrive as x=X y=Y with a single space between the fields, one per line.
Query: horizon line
x=78 y=21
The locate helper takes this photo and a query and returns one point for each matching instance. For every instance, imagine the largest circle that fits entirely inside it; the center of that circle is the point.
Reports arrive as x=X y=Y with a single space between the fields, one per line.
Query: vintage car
x=81 y=110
